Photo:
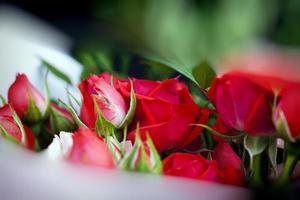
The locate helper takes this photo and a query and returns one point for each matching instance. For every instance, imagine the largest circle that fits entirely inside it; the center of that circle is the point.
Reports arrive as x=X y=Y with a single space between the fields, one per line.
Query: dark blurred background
x=182 y=34
x=79 y=18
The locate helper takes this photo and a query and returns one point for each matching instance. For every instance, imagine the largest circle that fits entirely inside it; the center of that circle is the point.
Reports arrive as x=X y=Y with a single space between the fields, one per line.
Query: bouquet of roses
x=248 y=124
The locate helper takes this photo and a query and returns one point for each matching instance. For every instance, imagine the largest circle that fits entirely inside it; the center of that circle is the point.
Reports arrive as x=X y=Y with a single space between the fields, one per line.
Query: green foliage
x=57 y=72
x=204 y=74
x=32 y=114
x=272 y=153
x=182 y=34
x=255 y=146
x=131 y=111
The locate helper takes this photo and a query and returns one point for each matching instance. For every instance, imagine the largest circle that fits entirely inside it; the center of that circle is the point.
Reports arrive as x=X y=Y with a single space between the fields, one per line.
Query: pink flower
x=27 y=101
x=90 y=149
x=109 y=100
x=12 y=131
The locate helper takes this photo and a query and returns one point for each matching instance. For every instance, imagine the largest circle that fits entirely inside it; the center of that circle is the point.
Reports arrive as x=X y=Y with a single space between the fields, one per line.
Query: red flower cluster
x=245 y=102
x=158 y=116
x=164 y=109
x=157 y=127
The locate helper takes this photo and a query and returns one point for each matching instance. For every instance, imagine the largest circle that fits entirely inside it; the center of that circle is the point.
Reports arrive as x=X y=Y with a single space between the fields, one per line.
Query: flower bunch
x=158 y=127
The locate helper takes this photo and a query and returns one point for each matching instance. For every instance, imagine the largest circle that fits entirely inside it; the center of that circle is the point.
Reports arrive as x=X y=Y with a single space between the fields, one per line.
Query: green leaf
x=182 y=69
x=272 y=153
x=47 y=95
x=71 y=96
x=255 y=146
x=57 y=72
x=204 y=74
x=131 y=111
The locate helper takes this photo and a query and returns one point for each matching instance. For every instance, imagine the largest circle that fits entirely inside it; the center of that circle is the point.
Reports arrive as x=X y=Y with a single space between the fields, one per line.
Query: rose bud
x=13 y=130
x=242 y=104
x=27 y=101
x=286 y=116
x=60 y=120
x=83 y=146
x=143 y=157
x=118 y=149
x=108 y=99
x=165 y=110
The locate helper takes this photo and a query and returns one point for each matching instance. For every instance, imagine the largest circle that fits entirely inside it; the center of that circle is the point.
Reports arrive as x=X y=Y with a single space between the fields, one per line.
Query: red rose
x=27 y=101
x=109 y=100
x=11 y=130
x=229 y=163
x=222 y=129
x=90 y=149
x=166 y=110
x=287 y=112
x=242 y=104
x=220 y=170
x=191 y=166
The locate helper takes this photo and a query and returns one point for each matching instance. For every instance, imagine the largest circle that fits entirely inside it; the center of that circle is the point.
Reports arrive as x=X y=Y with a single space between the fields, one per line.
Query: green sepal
x=131 y=111
x=103 y=127
x=7 y=136
x=36 y=130
x=3 y=100
x=115 y=147
x=282 y=128
x=255 y=146
x=20 y=125
x=33 y=114
x=155 y=157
